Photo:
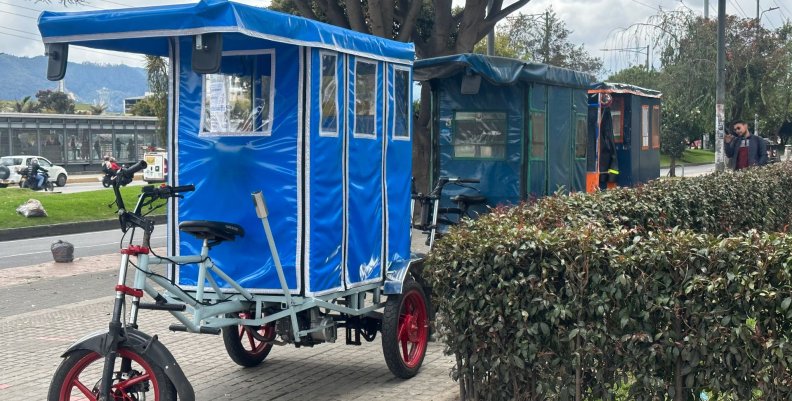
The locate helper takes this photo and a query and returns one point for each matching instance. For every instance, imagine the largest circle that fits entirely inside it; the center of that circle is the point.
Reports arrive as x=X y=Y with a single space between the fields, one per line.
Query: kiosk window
x=581 y=136
x=644 y=127
x=401 y=87
x=656 y=127
x=238 y=100
x=617 y=118
x=480 y=135
x=365 y=98
x=329 y=93
x=538 y=135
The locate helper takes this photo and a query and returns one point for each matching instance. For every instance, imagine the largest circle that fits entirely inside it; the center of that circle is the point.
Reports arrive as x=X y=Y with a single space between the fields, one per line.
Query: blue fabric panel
x=500 y=177
x=537 y=168
x=580 y=108
x=624 y=149
x=364 y=244
x=227 y=169
x=94 y=28
x=537 y=179
x=325 y=225
x=560 y=133
x=398 y=171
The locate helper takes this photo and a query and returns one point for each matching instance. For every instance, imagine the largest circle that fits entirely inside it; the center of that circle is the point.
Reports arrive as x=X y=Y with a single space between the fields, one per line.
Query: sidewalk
x=31 y=344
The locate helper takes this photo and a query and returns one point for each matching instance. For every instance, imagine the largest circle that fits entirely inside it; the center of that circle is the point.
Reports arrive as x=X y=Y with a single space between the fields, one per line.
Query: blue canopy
x=500 y=70
x=147 y=29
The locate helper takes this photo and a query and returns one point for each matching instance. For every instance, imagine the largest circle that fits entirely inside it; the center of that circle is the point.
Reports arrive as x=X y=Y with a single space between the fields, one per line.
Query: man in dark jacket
x=747 y=150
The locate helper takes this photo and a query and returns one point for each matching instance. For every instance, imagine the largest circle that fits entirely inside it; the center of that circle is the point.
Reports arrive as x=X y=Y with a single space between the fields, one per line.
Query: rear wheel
x=80 y=374
x=61 y=180
x=3 y=185
x=405 y=330
x=248 y=346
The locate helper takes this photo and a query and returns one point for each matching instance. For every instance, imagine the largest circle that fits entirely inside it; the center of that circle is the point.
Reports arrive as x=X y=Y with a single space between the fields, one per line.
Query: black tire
x=106 y=181
x=23 y=184
x=405 y=355
x=61 y=182
x=236 y=338
x=3 y=185
x=5 y=172
x=49 y=186
x=73 y=369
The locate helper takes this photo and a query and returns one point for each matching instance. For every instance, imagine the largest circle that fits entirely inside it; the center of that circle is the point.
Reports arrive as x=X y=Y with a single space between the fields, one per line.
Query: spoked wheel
x=405 y=330
x=248 y=346
x=79 y=377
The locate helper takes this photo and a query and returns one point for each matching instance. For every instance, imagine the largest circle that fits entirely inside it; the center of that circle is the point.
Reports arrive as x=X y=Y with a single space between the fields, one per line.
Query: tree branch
x=355 y=13
x=304 y=7
x=408 y=24
x=388 y=7
x=498 y=15
x=375 y=12
x=442 y=27
x=335 y=14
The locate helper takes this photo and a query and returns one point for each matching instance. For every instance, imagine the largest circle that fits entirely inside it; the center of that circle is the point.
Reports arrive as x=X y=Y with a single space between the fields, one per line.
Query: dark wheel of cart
x=106 y=181
x=405 y=330
x=246 y=345
x=79 y=376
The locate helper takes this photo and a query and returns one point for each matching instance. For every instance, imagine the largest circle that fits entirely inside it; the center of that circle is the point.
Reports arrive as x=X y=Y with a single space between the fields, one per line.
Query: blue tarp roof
x=499 y=70
x=147 y=29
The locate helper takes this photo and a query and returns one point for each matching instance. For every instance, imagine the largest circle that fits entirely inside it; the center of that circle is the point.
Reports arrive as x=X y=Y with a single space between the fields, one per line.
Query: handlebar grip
x=469 y=180
x=131 y=170
x=183 y=188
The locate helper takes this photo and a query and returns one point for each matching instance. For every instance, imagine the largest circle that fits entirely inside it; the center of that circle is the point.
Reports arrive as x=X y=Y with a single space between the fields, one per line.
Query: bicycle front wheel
x=79 y=377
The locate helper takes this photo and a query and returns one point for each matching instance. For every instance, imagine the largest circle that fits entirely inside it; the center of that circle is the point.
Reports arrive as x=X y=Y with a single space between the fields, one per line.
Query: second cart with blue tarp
x=519 y=127
x=312 y=119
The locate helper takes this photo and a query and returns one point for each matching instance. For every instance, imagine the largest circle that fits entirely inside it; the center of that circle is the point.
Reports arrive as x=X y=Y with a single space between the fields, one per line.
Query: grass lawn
x=63 y=208
x=691 y=156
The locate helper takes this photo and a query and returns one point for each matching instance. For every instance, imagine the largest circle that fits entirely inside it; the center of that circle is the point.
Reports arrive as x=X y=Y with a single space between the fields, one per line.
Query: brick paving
x=31 y=343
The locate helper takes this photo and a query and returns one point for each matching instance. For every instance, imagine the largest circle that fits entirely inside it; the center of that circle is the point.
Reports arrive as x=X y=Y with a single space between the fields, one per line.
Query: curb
x=65 y=228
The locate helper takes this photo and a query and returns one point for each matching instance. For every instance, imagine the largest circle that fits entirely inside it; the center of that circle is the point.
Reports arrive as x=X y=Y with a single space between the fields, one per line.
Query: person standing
x=98 y=149
x=746 y=149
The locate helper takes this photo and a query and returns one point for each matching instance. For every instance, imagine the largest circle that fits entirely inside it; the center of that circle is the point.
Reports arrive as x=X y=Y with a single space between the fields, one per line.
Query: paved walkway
x=31 y=343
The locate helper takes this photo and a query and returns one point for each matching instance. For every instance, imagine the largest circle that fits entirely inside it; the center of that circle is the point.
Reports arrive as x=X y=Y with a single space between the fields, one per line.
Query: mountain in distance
x=90 y=83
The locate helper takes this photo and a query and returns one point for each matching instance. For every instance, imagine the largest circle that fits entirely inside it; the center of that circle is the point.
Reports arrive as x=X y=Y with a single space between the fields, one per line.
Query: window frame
x=584 y=118
x=408 y=125
x=531 y=156
x=655 y=126
x=645 y=129
x=322 y=132
x=232 y=53
x=454 y=126
x=363 y=135
x=617 y=105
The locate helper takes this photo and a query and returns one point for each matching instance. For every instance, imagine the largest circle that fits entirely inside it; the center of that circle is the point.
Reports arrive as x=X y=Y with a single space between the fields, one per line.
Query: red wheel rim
x=413 y=331
x=251 y=344
x=89 y=387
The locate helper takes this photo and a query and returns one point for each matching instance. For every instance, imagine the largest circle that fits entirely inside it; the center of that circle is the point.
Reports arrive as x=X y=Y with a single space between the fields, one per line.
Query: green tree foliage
x=55 y=102
x=26 y=105
x=758 y=70
x=157 y=70
x=542 y=38
x=97 y=109
x=145 y=107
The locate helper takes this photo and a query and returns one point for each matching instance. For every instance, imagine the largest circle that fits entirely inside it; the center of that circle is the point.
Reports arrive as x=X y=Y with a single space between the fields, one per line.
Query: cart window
x=581 y=130
x=401 y=86
x=617 y=117
x=644 y=127
x=365 y=98
x=480 y=135
x=329 y=92
x=537 y=135
x=656 y=127
x=238 y=100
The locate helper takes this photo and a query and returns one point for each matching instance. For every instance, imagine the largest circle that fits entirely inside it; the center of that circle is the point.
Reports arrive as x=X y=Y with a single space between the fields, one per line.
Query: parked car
x=11 y=166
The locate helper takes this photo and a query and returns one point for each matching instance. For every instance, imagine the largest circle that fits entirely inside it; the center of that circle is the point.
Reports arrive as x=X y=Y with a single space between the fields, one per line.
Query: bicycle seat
x=470 y=200
x=214 y=231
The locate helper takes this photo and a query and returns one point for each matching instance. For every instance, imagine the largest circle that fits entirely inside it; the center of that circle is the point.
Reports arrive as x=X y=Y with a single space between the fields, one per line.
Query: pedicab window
x=656 y=127
x=538 y=135
x=581 y=134
x=329 y=93
x=401 y=87
x=365 y=99
x=238 y=101
x=479 y=135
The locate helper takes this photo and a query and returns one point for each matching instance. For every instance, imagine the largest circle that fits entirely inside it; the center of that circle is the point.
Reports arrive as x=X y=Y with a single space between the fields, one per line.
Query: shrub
x=663 y=287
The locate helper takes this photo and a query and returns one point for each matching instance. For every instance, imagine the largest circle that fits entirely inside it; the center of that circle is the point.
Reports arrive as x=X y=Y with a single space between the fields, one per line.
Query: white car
x=11 y=166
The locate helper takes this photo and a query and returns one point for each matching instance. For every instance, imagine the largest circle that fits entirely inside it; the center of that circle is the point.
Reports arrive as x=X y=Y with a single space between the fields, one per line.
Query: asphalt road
x=71 y=188
x=690 y=171
x=37 y=250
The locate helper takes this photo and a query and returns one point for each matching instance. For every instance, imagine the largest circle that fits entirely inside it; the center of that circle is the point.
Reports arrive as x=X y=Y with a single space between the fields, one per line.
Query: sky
x=597 y=24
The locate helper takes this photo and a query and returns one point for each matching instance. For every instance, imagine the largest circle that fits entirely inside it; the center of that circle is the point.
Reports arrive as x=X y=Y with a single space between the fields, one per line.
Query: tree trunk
x=672 y=167
x=422 y=142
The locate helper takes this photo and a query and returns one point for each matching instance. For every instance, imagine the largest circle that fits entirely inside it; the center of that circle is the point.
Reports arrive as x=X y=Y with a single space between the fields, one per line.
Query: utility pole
x=720 y=90
x=757 y=10
x=491 y=34
x=706 y=9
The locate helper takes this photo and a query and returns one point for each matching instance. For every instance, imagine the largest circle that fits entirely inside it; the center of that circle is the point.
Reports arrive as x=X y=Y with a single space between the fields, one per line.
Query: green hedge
x=586 y=296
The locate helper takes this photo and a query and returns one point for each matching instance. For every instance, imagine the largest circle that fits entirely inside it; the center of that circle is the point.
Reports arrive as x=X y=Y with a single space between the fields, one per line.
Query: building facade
x=77 y=142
